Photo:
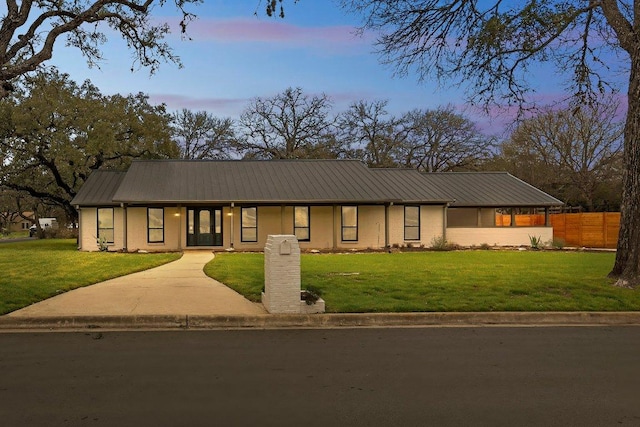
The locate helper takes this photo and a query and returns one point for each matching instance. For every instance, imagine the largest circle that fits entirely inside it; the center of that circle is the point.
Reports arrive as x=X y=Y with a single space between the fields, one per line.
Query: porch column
x=282 y=219
x=179 y=215
x=547 y=217
x=513 y=217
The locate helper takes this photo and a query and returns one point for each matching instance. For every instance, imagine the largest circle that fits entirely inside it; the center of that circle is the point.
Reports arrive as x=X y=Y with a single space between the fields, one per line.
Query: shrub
x=60 y=233
x=310 y=295
x=558 y=243
x=439 y=243
x=536 y=242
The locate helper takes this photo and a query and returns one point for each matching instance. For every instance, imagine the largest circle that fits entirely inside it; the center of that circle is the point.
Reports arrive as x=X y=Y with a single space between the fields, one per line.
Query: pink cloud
x=499 y=120
x=281 y=33
x=222 y=107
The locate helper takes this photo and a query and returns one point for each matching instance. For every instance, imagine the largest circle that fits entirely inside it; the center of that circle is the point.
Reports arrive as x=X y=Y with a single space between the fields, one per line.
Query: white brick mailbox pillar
x=281 y=274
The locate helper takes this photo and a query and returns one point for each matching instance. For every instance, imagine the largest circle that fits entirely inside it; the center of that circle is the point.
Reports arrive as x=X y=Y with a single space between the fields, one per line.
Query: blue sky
x=234 y=56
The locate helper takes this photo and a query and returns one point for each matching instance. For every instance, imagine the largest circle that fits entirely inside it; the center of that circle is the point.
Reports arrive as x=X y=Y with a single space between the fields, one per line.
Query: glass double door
x=204 y=227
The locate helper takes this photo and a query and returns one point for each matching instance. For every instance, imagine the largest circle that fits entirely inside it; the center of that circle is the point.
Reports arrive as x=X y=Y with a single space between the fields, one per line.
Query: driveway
x=177 y=288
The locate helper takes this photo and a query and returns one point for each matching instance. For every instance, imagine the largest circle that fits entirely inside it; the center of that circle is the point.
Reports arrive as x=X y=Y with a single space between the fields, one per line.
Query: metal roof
x=489 y=189
x=99 y=189
x=258 y=181
x=303 y=182
x=407 y=186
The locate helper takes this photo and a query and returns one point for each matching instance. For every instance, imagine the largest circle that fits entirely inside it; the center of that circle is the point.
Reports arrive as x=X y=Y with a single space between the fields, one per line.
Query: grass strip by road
x=35 y=270
x=444 y=281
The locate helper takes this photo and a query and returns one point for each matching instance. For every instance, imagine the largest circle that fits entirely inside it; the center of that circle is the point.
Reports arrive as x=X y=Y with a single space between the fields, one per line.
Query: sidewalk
x=179 y=288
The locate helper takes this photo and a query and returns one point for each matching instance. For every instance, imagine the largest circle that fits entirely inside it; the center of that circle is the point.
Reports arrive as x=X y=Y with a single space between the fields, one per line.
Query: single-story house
x=168 y=205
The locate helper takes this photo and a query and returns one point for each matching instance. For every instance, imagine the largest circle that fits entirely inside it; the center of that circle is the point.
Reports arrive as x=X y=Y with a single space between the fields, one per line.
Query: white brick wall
x=281 y=274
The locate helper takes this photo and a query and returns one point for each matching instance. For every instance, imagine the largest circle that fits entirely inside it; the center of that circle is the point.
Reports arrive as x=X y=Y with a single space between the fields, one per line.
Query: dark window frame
x=299 y=227
x=243 y=227
x=348 y=227
x=113 y=224
x=149 y=228
x=411 y=227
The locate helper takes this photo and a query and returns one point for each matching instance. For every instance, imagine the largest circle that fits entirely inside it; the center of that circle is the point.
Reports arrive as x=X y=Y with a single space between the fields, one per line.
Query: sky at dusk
x=234 y=55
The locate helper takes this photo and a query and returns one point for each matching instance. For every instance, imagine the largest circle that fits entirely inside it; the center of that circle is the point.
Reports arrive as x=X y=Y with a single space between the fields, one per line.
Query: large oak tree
x=574 y=155
x=30 y=30
x=201 y=135
x=442 y=140
x=54 y=132
x=289 y=125
x=493 y=46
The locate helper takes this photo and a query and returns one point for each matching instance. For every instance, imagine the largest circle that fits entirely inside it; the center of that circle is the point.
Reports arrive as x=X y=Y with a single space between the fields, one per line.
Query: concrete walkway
x=177 y=288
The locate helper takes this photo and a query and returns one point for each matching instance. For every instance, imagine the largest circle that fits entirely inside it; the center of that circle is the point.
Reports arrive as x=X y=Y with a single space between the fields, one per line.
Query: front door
x=204 y=226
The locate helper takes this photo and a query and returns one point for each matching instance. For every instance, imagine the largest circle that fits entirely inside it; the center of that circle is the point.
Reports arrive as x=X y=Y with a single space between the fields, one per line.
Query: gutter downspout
x=445 y=214
x=335 y=231
x=79 y=242
x=231 y=233
x=125 y=219
x=387 y=213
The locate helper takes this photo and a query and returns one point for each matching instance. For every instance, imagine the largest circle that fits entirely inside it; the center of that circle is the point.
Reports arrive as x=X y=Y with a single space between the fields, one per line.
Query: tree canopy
x=289 y=125
x=30 y=30
x=574 y=155
x=54 y=132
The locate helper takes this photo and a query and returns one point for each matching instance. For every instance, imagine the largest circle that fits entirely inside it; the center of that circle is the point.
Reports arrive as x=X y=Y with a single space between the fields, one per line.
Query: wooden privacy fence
x=588 y=229
x=522 y=220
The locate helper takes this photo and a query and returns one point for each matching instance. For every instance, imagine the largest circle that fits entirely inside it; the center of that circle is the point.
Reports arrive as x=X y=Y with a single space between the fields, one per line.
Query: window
x=249 y=226
x=412 y=223
x=155 y=225
x=301 y=227
x=105 y=224
x=350 y=223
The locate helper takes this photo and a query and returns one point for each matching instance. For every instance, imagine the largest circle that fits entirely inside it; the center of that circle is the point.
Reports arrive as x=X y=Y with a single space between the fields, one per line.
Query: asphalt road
x=583 y=376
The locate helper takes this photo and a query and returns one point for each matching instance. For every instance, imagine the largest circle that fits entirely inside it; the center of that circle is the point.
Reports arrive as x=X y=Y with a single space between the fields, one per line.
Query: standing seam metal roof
x=275 y=181
x=99 y=189
x=489 y=189
x=302 y=181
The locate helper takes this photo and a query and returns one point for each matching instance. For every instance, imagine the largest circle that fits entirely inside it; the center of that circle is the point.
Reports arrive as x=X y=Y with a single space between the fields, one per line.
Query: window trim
x=344 y=227
x=113 y=224
x=149 y=228
x=307 y=227
x=243 y=227
x=412 y=226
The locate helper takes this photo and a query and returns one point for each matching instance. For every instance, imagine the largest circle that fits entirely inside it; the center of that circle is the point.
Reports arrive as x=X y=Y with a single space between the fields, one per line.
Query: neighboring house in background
x=19 y=223
x=166 y=205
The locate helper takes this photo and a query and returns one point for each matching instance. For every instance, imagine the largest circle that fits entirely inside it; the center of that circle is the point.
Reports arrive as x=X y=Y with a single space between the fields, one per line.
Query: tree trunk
x=627 y=266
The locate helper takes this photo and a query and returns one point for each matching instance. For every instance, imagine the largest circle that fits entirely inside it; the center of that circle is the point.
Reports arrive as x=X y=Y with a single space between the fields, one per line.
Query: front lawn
x=34 y=270
x=445 y=281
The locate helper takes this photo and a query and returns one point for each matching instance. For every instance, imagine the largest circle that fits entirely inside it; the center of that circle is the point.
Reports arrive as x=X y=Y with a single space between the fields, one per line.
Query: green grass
x=445 y=281
x=34 y=270
x=15 y=235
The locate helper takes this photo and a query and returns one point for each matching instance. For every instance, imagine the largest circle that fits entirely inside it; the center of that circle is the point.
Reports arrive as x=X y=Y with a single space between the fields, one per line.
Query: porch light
x=230 y=214
x=176 y=214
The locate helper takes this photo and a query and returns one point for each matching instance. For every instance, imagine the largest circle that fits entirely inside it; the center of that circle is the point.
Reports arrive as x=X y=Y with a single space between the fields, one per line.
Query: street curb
x=319 y=321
